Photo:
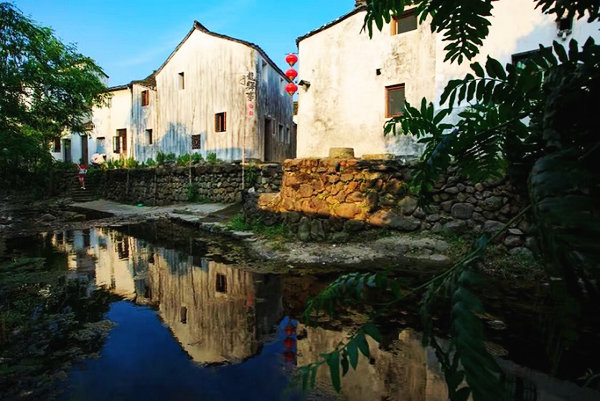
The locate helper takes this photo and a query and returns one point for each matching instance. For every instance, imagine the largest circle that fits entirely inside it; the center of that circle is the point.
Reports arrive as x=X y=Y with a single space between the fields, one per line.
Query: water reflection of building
x=409 y=373
x=218 y=313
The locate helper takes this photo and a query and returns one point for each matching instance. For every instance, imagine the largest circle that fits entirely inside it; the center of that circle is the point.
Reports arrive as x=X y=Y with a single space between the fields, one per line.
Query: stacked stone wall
x=221 y=182
x=333 y=198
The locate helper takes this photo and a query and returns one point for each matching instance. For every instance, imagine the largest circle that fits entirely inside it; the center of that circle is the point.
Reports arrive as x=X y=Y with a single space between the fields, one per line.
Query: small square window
x=405 y=23
x=221 y=122
x=197 y=141
x=149 y=139
x=181 y=80
x=394 y=100
x=145 y=98
x=56 y=145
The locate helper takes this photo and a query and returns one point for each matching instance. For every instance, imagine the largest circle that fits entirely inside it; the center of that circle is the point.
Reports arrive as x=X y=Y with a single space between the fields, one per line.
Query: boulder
x=462 y=211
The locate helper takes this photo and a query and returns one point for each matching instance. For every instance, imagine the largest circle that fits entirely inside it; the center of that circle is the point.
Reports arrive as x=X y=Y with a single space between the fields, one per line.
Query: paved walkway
x=184 y=211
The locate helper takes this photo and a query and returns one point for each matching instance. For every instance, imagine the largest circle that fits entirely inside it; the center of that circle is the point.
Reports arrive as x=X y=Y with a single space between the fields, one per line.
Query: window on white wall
x=405 y=23
x=145 y=98
x=181 y=80
x=394 y=99
x=196 y=141
x=100 y=145
x=221 y=122
x=149 y=139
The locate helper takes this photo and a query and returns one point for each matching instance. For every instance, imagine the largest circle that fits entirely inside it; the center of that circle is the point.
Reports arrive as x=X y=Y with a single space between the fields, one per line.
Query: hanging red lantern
x=291 y=74
x=291 y=88
x=291 y=59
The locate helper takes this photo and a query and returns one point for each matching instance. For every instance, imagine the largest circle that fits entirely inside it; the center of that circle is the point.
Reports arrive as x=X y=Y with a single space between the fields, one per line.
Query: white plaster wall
x=345 y=103
x=143 y=118
x=213 y=68
x=517 y=27
x=107 y=120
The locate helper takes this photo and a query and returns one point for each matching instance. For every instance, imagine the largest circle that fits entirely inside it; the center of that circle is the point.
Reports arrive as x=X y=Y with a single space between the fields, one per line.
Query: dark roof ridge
x=356 y=10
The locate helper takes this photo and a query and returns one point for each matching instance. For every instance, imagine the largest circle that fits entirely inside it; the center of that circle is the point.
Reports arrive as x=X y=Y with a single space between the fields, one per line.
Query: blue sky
x=131 y=38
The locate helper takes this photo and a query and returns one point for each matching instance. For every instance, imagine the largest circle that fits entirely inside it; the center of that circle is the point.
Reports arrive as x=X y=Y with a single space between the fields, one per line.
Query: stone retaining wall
x=221 y=182
x=333 y=198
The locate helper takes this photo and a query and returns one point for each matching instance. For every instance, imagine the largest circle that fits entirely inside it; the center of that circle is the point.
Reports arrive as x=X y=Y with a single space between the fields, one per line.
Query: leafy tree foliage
x=535 y=121
x=46 y=88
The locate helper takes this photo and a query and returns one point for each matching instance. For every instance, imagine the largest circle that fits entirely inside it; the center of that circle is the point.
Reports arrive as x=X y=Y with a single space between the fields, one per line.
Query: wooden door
x=122 y=134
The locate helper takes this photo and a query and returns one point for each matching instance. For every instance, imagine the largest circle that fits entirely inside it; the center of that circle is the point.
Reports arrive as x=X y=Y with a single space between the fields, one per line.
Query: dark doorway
x=122 y=134
x=84 y=149
x=268 y=139
x=67 y=151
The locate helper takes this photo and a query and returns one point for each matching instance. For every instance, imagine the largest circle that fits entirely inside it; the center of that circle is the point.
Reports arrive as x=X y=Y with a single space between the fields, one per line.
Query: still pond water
x=193 y=324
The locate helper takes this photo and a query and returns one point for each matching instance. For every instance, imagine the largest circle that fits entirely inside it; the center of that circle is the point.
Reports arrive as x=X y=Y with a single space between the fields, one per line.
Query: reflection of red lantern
x=291 y=88
x=291 y=59
x=290 y=329
x=289 y=342
x=291 y=74
x=289 y=356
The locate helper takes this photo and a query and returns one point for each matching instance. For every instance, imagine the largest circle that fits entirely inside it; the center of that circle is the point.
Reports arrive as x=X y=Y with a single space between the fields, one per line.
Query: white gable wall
x=213 y=68
x=107 y=120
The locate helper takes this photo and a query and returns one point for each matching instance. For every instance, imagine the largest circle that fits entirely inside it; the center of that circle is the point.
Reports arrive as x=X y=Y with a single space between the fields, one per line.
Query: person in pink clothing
x=82 y=172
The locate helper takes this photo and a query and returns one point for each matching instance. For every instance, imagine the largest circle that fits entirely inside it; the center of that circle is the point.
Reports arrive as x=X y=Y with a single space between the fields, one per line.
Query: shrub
x=150 y=163
x=212 y=158
x=184 y=160
x=170 y=158
x=191 y=191
x=130 y=163
x=160 y=158
x=197 y=158
x=251 y=175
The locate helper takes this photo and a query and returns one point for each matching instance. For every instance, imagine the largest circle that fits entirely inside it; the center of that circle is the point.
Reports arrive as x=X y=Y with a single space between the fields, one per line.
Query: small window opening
x=378 y=71
x=287 y=135
x=149 y=139
x=181 y=80
x=145 y=98
x=221 y=283
x=394 y=100
x=221 y=122
x=197 y=141
x=405 y=23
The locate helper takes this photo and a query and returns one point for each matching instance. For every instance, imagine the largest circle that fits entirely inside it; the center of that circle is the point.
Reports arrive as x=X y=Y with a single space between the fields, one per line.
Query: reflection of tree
x=409 y=373
x=218 y=313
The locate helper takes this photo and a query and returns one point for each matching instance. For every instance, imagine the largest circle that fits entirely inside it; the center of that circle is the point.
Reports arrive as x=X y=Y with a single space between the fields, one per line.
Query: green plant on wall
x=150 y=163
x=251 y=175
x=184 y=160
x=191 y=191
x=197 y=158
x=130 y=163
x=160 y=158
x=212 y=158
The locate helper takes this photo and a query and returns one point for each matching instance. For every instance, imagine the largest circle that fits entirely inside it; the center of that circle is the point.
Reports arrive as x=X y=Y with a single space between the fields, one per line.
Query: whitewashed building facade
x=214 y=94
x=353 y=84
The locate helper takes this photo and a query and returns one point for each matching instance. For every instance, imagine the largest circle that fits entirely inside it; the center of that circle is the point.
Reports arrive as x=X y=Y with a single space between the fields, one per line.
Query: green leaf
x=333 y=361
x=352 y=353
x=372 y=331
x=362 y=344
x=476 y=67
x=345 y=364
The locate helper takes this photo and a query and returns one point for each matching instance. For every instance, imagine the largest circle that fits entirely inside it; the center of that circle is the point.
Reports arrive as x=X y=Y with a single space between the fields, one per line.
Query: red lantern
x=291 y=74
x=291 y=59
x=291 y=88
